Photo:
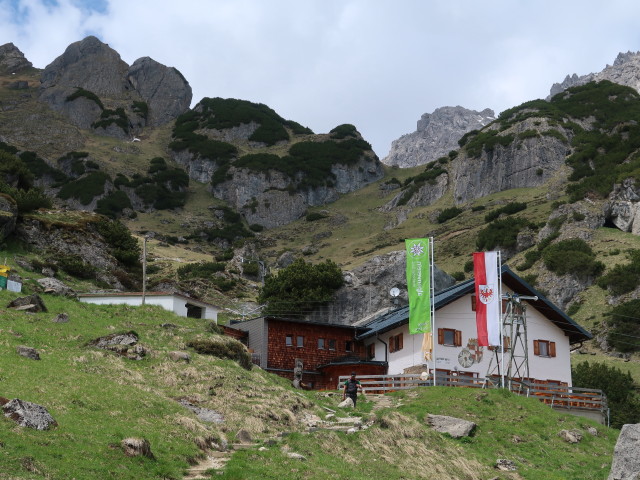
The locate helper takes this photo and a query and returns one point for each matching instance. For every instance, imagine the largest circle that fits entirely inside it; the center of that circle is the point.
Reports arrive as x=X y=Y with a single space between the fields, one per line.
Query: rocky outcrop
x=164 y=89
x=12 y=60
x=526 y=162
x=624 y=71
x=623 y=207
x=366 y=289
x=92 y=86
x=8 y=216
x=83 y=243
x=437 y=134
x=264 y=198
x=424 y=195
x=626 y=462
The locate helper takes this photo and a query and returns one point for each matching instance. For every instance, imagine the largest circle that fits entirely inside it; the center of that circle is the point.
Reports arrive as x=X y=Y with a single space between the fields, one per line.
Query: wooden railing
x=553 y=394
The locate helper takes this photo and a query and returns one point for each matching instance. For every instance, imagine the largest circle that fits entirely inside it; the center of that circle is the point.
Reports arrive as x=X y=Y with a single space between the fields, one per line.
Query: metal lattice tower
x=514 y=337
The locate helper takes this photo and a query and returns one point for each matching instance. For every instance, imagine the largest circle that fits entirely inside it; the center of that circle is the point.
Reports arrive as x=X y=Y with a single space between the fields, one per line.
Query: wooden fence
x=555 y=394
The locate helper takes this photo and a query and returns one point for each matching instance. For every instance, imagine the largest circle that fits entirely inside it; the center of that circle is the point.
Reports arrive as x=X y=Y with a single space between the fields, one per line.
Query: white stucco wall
x=171 y=303
x=459 y=316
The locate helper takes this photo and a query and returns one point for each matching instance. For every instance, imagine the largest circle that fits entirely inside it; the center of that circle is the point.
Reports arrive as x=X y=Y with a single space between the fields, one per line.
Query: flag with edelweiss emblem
x=488 y=297
x=419 y=285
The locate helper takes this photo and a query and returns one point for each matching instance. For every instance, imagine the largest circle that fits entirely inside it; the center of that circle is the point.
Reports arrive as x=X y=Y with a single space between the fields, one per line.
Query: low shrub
x=623 y=278
x=508 y=209
x=313 y=216
x=448 y=214
x=572 y=256
x=502 y=232
x=200 y=270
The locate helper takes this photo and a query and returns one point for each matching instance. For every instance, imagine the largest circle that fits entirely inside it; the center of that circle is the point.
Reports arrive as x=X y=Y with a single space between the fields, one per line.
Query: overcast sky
x=376 y=64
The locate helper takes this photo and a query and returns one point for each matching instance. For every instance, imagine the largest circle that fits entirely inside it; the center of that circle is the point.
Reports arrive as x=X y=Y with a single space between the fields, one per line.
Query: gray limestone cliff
x=624 y=71
x=264 y=198
x=528 y=161
x=436 y=135
x=12 y=60
x=94 y=88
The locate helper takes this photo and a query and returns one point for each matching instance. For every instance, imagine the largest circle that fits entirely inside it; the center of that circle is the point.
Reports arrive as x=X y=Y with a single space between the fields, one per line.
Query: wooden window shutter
x=440 y=336
x=400 y=342
x=473 y=303
x=536 y=347
x=457 y=338
x=552 y=349
x=506 y=342
x=392 y=344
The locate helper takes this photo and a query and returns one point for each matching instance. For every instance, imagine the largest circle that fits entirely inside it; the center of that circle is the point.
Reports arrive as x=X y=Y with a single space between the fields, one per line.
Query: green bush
x=501 y=232
x=448 y=214
x=123 y=246
x=141 y=108
x=110 y=117
x=82 y=93
x=75 y=266
x=623 y=333
x=343 y=131
x=113 y=204
x=200 y=270
x=619 y=388
x=572 y=256
x=458 y=276
x=225 y=255
x=300 y=287
x=313 y=216
x=251 y=269
x=623 y=278
x=508 y=209
x=85 y=189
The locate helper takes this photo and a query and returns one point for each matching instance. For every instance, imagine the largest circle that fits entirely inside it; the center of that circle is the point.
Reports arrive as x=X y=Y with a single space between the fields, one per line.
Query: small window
x=321 y=344
x=288 y=340
x=449 y=337
x=544 y=348
x=348 y=346
x=371 y=351
x=300 y=341
x=332 y=344
x=395 y=343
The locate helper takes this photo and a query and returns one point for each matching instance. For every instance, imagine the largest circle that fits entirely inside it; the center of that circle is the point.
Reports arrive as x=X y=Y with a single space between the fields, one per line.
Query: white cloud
x=377 y=64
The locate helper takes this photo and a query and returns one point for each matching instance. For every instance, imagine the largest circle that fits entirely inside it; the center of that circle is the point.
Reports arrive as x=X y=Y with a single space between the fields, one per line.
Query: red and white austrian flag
x=485 y=271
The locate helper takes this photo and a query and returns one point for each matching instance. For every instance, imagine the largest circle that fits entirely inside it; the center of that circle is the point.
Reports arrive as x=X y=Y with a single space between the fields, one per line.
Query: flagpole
x=500 y=314
x=433 y=310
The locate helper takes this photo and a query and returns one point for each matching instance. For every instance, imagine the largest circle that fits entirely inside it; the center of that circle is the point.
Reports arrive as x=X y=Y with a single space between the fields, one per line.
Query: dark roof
x=399 y=317
x=350 y=360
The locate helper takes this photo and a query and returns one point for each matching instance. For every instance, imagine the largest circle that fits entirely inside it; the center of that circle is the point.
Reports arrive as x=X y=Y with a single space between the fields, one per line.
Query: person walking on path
x=351 y=387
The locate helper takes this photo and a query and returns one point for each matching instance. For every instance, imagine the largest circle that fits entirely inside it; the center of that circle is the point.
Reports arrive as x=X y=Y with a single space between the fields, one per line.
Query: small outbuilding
x=174 y=302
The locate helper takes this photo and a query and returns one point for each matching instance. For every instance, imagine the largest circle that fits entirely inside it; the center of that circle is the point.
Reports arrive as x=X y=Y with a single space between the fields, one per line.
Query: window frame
x=300 y=341
x=321 y=344
x=549 y=346
x=396 y=343
x=288 y=340
x=332 y=344
x=457 y=337
x=371 y=351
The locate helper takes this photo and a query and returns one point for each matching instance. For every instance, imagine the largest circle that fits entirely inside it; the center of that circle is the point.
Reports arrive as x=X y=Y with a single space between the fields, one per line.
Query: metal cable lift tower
x=514 y=341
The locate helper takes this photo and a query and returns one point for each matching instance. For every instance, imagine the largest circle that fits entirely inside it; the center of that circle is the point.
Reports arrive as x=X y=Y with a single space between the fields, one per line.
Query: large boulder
x=455 y=427
x=27 y=414
x=626 y=461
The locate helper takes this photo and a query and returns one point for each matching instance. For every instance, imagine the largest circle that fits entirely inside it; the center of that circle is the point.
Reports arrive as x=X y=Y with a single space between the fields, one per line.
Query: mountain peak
x=12 y=60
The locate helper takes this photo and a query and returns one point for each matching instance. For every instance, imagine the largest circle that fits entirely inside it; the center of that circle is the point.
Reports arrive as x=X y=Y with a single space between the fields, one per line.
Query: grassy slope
x=98 y=399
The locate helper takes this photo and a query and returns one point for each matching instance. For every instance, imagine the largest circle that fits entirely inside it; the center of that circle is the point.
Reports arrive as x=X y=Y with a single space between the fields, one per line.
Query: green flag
x=419 y=285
